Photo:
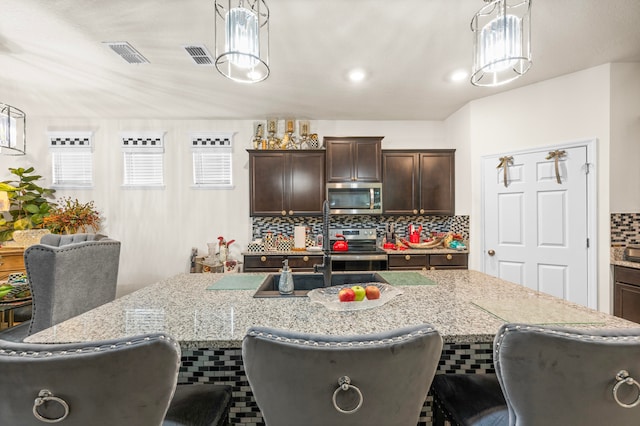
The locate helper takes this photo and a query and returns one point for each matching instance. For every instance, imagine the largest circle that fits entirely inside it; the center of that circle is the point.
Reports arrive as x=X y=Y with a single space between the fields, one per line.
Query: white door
x=536 y=229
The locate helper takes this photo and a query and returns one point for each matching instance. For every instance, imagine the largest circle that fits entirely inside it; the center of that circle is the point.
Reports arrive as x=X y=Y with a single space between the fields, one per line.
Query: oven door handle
x=359 y=256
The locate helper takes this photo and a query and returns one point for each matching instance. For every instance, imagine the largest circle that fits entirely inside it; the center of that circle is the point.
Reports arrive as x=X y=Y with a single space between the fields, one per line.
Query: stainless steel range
x=362 y=254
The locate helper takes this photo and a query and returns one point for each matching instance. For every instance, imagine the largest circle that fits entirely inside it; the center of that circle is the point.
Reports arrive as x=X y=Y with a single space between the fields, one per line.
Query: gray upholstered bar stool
x=68 y=275
x=104 y=383
x=550 y=376
x=361 y=380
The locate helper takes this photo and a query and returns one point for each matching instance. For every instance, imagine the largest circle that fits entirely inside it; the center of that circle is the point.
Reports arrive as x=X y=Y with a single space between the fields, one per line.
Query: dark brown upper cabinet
x=353 y=159
x=286 y=183
x=418 y=182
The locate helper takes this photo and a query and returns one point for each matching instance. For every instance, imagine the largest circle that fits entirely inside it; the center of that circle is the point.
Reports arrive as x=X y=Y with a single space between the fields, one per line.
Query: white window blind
x=71 y=159
x=212 y=160
x=143 y=155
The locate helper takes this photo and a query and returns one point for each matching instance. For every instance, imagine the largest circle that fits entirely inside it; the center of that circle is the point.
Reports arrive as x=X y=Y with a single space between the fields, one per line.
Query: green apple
x=359 y=291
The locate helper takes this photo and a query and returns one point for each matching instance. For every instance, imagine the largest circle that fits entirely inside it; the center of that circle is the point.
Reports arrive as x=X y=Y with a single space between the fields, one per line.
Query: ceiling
x=54 y=63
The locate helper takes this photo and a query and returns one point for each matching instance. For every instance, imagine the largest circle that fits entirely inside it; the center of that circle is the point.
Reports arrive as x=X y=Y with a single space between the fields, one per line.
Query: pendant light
x=242 y=39
x=501 y=48
x=13 y=124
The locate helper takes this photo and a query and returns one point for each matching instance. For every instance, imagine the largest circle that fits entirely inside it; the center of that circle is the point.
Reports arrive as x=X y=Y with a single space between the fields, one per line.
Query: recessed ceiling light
x=459 y=75
x=357 y=75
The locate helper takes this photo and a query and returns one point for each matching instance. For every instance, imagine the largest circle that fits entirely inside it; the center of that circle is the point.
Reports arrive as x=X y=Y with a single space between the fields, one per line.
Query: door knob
x=491 y=252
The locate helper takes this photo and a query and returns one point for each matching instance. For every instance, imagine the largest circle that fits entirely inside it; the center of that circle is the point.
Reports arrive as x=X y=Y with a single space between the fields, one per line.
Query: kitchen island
x=467 y=307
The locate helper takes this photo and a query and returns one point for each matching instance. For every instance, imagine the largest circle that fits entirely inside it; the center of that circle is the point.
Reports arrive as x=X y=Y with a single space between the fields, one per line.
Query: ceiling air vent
x=127 y=52
x=199 y=54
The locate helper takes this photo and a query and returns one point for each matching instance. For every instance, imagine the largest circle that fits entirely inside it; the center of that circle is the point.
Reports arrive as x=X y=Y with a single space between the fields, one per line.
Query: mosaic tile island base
x=466 y=306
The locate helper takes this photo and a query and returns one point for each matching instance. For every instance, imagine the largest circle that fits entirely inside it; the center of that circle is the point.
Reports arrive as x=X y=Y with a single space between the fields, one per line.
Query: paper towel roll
x=299 y=237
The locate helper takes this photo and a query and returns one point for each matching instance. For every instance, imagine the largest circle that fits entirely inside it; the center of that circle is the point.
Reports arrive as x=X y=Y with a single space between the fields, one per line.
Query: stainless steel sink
x=304 y=283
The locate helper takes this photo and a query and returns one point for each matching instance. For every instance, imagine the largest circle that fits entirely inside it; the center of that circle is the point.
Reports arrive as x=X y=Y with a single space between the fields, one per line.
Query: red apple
x=372 y=292
x=347 y=295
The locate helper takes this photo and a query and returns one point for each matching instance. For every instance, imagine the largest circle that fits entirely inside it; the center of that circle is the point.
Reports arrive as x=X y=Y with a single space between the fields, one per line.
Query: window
x=212 y=155
x=143 y=155
x=71 y=159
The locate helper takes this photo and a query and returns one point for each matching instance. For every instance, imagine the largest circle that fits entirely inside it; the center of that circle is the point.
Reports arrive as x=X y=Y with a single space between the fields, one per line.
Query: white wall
x=565 y=109
x=625 y=138
x=158 y=227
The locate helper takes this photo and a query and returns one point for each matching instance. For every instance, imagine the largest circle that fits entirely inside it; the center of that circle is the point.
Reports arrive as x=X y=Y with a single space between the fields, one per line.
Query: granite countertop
x=617 y=258
x=465 y=306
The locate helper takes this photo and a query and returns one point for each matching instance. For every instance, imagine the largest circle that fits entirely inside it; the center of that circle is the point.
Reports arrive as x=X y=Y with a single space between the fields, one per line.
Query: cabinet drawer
x=263 y=262
x=304 y=262
x=627 y=275
x=449 y=259
x=414 y=261
x=11 y=260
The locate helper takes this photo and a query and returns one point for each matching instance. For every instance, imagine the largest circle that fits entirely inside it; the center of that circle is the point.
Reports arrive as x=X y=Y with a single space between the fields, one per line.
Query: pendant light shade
x=242 y=39
x=12 y=130
x=501 y=48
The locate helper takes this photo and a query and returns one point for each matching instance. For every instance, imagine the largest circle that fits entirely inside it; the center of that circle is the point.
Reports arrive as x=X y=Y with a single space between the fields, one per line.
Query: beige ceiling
x=53 y=62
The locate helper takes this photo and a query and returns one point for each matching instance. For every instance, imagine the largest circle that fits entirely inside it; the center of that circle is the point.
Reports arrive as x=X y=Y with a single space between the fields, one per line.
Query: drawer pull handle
x=306 y=258
x=415 y=211
x=283 y=212
x=433 y=268
x=449 y=257
x=263 y=258
x=407 y=257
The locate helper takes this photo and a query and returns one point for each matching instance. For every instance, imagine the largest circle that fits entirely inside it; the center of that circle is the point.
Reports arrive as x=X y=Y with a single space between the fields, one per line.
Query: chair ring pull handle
x=344 y=383
x=43 y=396
x=623 y=377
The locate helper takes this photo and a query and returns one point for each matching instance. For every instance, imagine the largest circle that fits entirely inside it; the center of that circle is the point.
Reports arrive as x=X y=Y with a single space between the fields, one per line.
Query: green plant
x=28 y=204
x=70 y=216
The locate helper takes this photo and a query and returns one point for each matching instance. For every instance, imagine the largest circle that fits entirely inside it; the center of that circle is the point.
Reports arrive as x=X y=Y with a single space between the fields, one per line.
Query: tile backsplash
x=285 y=225
x=625 y=229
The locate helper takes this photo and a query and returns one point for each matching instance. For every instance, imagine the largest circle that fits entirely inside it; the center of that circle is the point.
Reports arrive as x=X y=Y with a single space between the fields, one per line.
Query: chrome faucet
x=325 y=268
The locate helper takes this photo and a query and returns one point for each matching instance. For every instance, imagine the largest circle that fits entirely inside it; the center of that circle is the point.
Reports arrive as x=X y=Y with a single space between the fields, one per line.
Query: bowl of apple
x=355 y=297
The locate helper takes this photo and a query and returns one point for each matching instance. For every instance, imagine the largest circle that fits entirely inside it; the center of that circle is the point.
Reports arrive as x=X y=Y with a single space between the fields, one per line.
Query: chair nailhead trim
x=401 y=338
x=85 y=349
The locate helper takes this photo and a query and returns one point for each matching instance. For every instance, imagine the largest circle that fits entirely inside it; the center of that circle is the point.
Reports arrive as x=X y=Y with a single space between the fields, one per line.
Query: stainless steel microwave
x=355 y=197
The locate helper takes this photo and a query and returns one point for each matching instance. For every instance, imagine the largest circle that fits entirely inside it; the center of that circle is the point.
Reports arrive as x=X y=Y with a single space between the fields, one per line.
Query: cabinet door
x=437 y=183
x=267 y=180
x=399 y=187
x=339 y=160
x=306 y=183
x=626 y=293
x=367 y=160
x=627 y=302
x=354 y=159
